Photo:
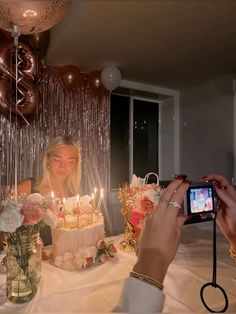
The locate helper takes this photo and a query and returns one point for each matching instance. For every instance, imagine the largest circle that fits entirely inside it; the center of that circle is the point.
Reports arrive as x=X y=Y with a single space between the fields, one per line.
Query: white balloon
x=111 y=77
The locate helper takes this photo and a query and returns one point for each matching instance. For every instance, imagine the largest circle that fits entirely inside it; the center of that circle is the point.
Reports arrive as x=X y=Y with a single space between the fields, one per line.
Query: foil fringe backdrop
x=79 y=113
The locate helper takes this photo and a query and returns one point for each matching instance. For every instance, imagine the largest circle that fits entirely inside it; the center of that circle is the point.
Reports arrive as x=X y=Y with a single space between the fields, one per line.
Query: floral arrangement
x=21 y=221
x=31 y=212
x=138 y=199
x=87 y=256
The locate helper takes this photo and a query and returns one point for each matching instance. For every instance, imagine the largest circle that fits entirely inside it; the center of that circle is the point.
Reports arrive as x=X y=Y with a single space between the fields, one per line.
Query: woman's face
x=62 y=162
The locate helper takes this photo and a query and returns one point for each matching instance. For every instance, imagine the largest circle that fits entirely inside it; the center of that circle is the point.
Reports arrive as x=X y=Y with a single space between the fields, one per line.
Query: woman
x=61 y=173
x=61 y=170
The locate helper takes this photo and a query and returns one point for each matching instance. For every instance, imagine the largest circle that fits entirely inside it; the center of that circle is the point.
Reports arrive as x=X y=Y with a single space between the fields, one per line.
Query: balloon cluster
x=98 y=81
x=19 y=79
x=18 y=64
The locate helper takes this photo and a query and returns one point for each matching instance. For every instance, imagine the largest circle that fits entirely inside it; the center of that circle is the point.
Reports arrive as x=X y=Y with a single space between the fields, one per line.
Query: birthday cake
x=78 y=235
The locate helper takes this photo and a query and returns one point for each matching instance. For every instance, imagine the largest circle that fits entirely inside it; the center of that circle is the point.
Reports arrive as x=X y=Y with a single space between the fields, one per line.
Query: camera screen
x=200 y=199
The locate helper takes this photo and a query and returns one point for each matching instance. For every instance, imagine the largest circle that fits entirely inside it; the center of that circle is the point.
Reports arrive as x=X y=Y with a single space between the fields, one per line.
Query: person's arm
x=159 y=241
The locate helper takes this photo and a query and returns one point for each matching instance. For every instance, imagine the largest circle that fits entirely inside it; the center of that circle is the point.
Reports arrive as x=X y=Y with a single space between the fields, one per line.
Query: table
x=97 y=289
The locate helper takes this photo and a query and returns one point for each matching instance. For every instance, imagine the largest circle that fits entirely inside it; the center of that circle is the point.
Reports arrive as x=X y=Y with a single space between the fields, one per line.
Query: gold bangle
x=150 y=280
x=232 y=254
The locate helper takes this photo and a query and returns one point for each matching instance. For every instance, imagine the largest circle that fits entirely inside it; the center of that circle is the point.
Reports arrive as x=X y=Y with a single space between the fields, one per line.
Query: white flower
x=70 y=204
x=152 y=195
x=11 y=205
x=35 y=197
x=137 y=182
x=50 y=219
x=10 y=217
x=85 y=200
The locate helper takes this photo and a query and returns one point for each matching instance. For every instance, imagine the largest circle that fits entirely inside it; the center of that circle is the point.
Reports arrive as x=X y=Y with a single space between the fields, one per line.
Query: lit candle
x=64 y=204
x=95 y=196
x=100 y=200
x=52 y=195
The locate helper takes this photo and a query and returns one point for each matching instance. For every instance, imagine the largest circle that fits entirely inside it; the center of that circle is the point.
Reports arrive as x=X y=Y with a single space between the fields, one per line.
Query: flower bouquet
x=21 y=222
x=138 y=200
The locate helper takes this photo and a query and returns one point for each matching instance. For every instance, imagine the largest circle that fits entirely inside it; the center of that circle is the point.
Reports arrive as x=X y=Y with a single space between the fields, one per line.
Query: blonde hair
x=73 y=181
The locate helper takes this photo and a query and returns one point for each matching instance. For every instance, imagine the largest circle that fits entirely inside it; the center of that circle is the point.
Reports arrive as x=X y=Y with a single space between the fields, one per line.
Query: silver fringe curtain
x=79 y=113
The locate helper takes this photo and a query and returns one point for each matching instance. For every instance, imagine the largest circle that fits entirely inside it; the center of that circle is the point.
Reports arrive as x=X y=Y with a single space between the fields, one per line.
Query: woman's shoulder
x=27 y=186
x=24 y=186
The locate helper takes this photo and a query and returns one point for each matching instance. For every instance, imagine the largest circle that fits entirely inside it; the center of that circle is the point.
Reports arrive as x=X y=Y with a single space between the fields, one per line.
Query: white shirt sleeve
x=140 y=297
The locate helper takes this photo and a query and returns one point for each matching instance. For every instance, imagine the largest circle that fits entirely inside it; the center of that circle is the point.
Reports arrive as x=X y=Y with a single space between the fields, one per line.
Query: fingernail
x=180 y=176
x=218 y=185
x=187 y=181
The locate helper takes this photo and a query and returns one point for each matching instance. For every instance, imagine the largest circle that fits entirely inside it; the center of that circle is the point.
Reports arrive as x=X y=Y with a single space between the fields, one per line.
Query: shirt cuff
x=140 y=297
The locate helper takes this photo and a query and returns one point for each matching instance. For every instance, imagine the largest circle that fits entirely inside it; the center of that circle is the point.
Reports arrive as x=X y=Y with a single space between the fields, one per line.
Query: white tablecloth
x=97 y=289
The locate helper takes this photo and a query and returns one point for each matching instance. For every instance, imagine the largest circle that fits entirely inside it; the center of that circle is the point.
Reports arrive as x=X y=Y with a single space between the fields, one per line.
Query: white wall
x=207 y=129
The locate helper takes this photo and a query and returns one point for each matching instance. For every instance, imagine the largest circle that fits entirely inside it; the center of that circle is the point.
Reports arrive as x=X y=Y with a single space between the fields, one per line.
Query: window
x=134 y=138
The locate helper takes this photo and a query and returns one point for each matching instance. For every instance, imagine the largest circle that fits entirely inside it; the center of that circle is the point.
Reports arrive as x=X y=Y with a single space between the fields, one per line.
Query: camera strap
x=214 y=284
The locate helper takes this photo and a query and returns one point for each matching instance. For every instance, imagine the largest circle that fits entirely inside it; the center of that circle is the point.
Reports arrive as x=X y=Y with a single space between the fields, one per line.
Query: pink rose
x=112 y=248
x=60 y=214
x=89 y=261
x=101 y=244
x=32 y=212
x=145 y=205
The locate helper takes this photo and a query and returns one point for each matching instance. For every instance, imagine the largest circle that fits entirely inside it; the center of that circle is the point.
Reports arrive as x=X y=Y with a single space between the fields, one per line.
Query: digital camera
x=200 y=202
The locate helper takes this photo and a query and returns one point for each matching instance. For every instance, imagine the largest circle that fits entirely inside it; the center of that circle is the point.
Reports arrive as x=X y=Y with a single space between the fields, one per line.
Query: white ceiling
x=173 y=44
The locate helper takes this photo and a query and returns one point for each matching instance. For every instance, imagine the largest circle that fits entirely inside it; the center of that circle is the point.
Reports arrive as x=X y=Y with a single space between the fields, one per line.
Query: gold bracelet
x=150 y=280
x=232 y=254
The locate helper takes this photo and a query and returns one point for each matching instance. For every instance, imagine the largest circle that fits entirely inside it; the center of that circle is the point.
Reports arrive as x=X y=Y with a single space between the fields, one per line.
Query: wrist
x=152 y=267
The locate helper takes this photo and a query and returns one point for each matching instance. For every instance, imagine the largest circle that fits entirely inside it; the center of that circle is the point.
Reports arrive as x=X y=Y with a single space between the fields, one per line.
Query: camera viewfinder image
x=201 y=200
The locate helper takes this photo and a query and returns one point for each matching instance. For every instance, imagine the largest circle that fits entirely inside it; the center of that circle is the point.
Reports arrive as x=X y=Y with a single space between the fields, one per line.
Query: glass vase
x=23 y=264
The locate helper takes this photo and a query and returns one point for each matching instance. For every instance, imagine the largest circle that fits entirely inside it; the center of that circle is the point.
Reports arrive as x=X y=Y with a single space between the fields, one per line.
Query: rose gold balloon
x=4 y=90
x=71 y=77
x=95 y=83
x=27 y=98
x=31 y=16
x=27 y=64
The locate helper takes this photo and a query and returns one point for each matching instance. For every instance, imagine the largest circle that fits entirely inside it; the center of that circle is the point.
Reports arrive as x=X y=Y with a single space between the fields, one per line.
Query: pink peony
x=32 y=212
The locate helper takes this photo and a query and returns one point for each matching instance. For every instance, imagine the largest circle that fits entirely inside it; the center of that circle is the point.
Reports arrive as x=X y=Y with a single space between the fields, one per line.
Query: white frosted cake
x=66 y=240
x=74 y=241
